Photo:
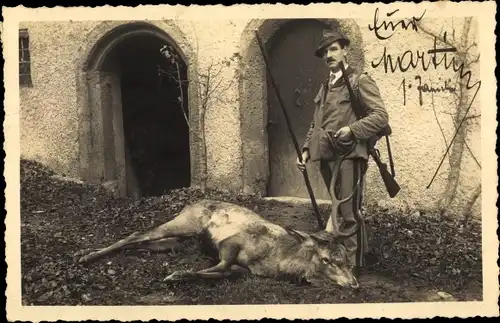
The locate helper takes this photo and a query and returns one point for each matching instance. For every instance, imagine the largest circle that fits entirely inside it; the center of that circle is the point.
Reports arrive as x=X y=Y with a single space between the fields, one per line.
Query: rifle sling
x=356 y=106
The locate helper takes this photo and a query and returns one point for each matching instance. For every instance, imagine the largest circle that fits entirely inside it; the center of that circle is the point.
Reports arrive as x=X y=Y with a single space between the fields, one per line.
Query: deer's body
x=245 y=240
x=258 y=243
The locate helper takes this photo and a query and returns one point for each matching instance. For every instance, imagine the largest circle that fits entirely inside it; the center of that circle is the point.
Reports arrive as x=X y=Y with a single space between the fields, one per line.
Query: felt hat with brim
x=329 y=37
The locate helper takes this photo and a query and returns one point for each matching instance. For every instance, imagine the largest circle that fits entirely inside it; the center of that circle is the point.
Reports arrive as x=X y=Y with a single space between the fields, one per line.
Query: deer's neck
x=297 y=259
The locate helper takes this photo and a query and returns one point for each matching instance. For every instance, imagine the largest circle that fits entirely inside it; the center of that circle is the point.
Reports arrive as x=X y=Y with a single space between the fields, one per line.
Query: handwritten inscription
x=422 y=88
x=422 y=59
x=384 y=30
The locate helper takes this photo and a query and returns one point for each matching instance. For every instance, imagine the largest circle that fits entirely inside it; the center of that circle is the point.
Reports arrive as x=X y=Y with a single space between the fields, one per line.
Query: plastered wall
x=49 y=116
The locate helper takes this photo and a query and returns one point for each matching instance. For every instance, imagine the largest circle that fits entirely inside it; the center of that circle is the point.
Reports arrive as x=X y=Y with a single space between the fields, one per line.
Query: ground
x=412 y=258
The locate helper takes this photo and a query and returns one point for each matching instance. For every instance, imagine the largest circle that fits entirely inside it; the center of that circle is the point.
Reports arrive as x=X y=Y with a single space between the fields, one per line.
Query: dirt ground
x=411 y=259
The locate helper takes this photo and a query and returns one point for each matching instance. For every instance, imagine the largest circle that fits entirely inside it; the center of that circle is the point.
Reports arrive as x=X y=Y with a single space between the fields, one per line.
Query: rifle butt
x=391 y=185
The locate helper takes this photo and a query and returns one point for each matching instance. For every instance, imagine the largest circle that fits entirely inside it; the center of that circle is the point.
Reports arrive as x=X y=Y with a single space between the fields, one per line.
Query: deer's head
x=331 y=262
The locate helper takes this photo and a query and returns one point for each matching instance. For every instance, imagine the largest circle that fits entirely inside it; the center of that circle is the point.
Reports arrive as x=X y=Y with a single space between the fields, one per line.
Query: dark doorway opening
x=155 y=129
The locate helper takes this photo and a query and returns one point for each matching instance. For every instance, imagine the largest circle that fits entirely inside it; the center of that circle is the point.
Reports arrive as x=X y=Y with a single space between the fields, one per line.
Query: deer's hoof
x=83 y=259
x=87 y=258
x=85 y=255
x=175 y=276
x=81 y=253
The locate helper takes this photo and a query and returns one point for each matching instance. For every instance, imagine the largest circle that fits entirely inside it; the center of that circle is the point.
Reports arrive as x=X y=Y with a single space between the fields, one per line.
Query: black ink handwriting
x=425 y=88
x=390 y=26
x=425 y=59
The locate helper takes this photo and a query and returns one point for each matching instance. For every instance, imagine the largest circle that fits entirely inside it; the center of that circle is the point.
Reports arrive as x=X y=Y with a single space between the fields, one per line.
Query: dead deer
x=248 y=243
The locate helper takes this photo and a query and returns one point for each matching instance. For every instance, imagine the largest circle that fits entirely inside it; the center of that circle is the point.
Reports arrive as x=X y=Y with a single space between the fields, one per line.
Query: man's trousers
x=350 y=211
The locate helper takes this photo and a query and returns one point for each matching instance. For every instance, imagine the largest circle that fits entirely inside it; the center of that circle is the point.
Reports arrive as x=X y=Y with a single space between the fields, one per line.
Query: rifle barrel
x=288 y=123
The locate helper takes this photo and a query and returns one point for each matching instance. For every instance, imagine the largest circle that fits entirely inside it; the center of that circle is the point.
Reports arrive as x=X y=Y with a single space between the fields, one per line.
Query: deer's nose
x=354 y=284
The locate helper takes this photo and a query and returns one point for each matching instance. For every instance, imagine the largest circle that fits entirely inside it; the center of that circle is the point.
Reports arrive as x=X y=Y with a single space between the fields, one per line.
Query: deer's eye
x=337 y=259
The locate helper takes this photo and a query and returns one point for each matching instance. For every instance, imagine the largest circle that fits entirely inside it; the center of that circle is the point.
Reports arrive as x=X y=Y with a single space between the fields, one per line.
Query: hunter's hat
x=329 y=37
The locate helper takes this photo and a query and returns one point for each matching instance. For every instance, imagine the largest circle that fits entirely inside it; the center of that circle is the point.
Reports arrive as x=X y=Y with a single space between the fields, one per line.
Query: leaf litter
x=412 y=258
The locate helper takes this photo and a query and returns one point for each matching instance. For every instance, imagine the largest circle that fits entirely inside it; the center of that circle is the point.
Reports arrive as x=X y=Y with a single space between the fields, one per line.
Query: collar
x=338 y=74
x=339 y=80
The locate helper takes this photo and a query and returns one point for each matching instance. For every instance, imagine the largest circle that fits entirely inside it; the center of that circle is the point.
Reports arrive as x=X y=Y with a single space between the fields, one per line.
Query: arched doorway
x=269 y=156
x=139 y=138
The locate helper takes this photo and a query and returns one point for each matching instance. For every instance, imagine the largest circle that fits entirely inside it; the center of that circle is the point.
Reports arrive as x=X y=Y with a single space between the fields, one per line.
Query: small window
x=24 y=59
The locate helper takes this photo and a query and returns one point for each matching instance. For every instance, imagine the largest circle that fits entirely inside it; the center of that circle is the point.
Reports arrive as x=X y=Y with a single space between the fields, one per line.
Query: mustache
x=329 y=60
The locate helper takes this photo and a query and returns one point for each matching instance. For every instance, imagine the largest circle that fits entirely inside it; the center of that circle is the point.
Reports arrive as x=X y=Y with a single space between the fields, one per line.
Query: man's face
x=333 y=55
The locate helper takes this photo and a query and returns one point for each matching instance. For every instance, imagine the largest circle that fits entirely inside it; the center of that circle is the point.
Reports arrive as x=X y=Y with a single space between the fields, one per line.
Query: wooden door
x=108 y=145
x=119 y=157
x=298 y=74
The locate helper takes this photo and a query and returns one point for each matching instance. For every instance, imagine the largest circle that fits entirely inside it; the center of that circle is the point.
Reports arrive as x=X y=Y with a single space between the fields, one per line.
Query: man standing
x=336 y=128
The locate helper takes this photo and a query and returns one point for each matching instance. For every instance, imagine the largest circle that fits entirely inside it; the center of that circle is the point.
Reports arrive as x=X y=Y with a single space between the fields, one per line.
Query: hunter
x=335 y=117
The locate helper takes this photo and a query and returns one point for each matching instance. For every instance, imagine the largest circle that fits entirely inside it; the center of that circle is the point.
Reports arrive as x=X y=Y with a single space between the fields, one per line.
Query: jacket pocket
x=344 y=98
x=325 y=145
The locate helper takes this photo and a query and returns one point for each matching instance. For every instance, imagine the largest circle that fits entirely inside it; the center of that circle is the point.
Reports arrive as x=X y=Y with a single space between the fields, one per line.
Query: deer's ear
x=323 y=237
x=303 y=237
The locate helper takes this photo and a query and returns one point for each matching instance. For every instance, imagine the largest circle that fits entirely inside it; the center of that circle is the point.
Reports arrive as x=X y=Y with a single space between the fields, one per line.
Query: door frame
x=253 y=94
x=100 y=111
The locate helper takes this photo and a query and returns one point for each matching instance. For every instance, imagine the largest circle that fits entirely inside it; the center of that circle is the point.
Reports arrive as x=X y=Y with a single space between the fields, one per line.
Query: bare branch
x=437 y=120
x=427 y=31
x=472 y=117
x=217 y=74
x=455 y=125
x=224 y=89
x=214 y=89
x=474 y=44
x=206 y=97
x=209 y=69
x=229 y=85
x=203 y=80
x=453 y=29
x=473 y=61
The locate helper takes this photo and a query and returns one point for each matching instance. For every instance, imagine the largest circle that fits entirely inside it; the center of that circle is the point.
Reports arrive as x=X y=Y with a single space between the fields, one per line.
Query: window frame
x=25 y=79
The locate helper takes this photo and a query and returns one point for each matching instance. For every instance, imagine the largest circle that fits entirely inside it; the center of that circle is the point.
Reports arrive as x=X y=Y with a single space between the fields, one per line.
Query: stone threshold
x=296 y=200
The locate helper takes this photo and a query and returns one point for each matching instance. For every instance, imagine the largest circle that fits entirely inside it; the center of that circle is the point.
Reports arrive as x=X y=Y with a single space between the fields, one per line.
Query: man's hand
x=343 y=133
x=305 y=158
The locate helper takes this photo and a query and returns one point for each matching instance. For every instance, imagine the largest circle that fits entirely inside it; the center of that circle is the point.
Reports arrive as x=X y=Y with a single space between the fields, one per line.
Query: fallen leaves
x=61 y=217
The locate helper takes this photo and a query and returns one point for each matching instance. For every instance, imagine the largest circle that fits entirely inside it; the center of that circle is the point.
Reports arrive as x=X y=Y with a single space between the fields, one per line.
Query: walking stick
x=299 y=154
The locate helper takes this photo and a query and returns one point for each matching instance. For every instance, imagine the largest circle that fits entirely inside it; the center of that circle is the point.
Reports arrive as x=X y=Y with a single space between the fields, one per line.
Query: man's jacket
x=333 y=111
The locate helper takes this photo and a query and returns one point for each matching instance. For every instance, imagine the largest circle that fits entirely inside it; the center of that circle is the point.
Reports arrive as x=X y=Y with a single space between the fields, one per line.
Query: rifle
x=390 y=183
x=294 y=139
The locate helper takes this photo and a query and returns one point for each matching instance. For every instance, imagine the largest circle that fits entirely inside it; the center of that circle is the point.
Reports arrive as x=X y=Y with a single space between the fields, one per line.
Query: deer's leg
x=225 y=268
x=165 y=244
x=187 y=224
x=209 y=273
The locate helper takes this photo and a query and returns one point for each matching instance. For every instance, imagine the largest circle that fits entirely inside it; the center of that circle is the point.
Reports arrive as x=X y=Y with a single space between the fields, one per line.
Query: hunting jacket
x=333 y=111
